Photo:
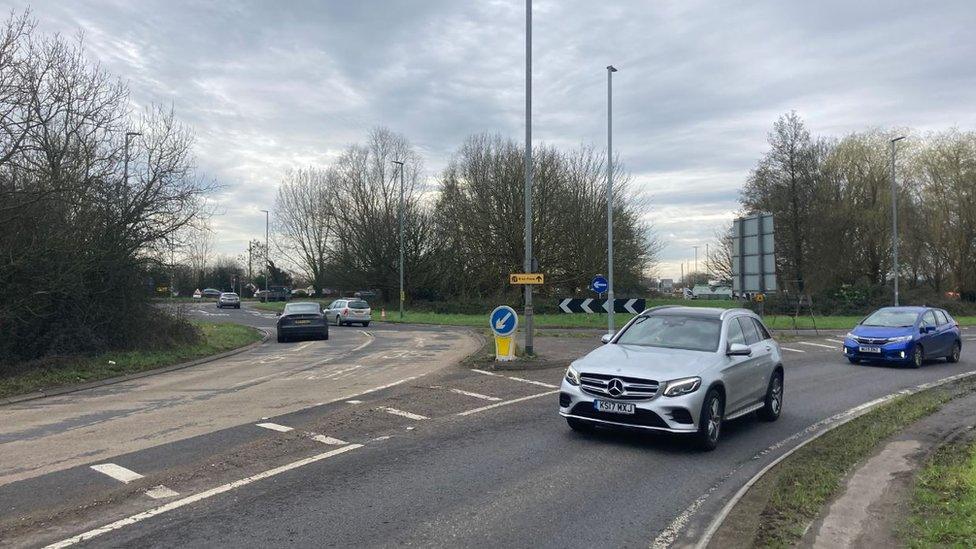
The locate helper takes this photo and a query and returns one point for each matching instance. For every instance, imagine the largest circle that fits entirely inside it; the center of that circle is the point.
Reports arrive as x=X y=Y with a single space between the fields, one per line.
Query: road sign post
x=503 y=321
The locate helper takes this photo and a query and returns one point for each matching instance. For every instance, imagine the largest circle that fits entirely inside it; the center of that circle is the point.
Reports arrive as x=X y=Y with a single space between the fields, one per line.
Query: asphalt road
x=452 y=457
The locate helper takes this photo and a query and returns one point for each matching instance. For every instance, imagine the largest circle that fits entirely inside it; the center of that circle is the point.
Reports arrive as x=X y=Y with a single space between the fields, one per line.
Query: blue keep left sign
x=503 y=320
x=599 y=284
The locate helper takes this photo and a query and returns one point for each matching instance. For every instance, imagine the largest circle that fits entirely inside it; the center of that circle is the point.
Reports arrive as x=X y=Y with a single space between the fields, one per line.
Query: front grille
x=634 y=388
x=871 y=340
x=645 y=418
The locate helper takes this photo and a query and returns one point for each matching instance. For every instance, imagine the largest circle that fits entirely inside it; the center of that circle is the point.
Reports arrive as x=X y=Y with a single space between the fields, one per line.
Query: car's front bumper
x=900 y=351
x=670 y=414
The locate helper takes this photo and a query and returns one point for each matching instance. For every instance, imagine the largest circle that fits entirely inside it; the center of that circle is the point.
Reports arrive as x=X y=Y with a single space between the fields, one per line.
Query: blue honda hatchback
x=904 y=335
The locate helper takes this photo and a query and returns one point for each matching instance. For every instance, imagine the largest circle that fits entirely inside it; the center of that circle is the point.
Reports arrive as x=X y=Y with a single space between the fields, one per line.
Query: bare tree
x=718 y=263
x=305 y=219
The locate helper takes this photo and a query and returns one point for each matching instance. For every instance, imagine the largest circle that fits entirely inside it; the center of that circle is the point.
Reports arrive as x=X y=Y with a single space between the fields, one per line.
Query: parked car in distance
x=299 y=292
x=275 y=293
x=211 y=293
x=349 y=311
x=904 y=335
x=302 y=319
x=229 y=299
x=677 y=369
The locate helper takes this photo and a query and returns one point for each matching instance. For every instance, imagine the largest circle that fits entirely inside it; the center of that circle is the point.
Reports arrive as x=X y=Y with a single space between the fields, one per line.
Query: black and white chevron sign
x=632 y=306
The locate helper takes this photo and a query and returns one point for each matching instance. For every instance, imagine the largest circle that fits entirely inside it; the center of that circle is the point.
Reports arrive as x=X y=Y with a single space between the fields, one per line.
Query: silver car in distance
x=680 y=370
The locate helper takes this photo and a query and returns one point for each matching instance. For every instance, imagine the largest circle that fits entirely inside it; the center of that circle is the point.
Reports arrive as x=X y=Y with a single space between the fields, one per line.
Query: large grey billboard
x=753 y=254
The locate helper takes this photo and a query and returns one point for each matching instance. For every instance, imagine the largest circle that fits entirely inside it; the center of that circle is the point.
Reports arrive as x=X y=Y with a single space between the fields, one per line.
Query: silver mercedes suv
x=677 y=369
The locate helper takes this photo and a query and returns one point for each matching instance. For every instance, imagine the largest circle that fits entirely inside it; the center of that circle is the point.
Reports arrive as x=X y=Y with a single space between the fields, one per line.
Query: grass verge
x=217 y=338
x=780 y=506
x=944 y=500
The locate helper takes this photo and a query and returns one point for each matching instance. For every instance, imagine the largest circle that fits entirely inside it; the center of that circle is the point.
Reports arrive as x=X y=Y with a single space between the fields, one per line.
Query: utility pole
x=250 y=279
x=400 y=216
x=894 y=216
x=610 y=71
x=696 y=258
x=708 y=266
x=527 y=265
x=267 y=250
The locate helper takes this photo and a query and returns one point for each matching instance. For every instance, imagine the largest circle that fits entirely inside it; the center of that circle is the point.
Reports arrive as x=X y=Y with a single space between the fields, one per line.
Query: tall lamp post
x=527 y=265
x=610 y=70
x=894 y=216
x=400 y=221
x=267 y=250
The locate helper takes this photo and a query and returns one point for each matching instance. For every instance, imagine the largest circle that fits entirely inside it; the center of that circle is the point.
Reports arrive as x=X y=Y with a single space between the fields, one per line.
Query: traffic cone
x=383 y=314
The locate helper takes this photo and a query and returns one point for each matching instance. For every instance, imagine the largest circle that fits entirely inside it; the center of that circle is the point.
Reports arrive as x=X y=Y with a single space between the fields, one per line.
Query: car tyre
x=710 y=421
x=281 y=338
x=325 y=335
x=774 y=398
x=954 y=354
x=579 y=425
x=338 y=320
x=918 y=357
x=365 y=324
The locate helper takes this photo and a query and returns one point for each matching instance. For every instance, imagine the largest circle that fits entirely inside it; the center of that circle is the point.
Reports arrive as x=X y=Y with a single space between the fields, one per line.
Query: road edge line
x=129 y=377
x=139 y=517
x=851 y=414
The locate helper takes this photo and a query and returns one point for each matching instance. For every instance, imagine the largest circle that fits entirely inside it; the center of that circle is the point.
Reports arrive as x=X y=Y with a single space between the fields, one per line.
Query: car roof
x=907 y=309
x=704 y=312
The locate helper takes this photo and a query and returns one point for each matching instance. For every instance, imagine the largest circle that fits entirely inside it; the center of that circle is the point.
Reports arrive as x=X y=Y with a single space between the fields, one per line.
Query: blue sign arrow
x=503 y=320
x=599 y=284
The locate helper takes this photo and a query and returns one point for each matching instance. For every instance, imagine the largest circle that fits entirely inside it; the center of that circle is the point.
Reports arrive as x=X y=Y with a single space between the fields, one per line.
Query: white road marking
x=117 y=472
x=368 y=341
x=300 y=347
x=328 y=440
x=408 y=415
x=354 y=402
x=379 y=439
x=198 y=497
x=835 y=341
x=789 y=349
x=817 y=345
x=275 y=427
x=513 y=378
x=161 y=492
x=506 y=403
x=475 y=395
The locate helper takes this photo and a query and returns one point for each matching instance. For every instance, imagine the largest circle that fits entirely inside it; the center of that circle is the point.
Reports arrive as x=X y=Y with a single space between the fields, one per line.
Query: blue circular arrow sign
x=599 y=284
x=503 y=320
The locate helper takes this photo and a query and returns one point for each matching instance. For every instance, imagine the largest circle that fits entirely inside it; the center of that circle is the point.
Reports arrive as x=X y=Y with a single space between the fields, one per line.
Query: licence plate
x=870 y=349
x=303 y=321
x=613 y=407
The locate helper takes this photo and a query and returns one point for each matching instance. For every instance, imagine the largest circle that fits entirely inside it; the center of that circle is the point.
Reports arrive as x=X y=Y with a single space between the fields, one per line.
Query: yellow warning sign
x=526 y=278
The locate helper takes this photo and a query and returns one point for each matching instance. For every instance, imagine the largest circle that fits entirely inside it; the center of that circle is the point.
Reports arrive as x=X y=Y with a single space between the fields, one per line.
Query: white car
x=348 y=312
x=229 y=299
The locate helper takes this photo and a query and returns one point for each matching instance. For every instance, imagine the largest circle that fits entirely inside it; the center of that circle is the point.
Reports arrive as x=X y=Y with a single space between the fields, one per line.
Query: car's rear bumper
x=352 y=318
x=304 y=330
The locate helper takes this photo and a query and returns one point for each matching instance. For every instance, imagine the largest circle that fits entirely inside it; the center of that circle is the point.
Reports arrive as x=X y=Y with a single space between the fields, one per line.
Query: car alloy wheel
x=917 y=357
x=774 y=399
x=954 y=355
x=714 y=419
x=710 y=421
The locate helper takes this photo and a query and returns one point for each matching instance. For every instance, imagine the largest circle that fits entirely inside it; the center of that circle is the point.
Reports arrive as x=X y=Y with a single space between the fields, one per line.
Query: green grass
x=217 y=338
x=800 y=486
x=944 y=501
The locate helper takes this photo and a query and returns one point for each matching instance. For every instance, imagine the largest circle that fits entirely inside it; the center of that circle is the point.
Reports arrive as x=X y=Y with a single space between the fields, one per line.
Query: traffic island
x=553 y=349
x=851 y=486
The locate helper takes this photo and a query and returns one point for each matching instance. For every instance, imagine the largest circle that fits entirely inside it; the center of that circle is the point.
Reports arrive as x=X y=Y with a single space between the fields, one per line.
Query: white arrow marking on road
x=504 y=320
x=585 y=305
x=564 y=305
x=629 y=306
x=117 y=472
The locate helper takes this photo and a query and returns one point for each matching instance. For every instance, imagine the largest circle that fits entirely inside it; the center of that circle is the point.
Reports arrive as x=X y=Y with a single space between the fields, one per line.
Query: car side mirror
x=927 y=329
x=738 y=349
x=606 y=338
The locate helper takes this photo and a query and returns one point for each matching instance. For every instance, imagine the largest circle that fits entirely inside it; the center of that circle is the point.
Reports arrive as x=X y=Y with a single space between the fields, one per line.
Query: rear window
x=360 y=304
x=691 y=333
x=301 y=308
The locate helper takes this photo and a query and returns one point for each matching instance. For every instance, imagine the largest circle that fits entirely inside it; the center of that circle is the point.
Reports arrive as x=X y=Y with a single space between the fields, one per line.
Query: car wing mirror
x=738 y=349
x=606 y=338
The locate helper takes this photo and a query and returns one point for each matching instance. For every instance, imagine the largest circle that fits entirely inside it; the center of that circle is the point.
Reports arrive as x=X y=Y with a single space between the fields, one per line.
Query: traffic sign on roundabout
x=503 y=321
x=599 y=284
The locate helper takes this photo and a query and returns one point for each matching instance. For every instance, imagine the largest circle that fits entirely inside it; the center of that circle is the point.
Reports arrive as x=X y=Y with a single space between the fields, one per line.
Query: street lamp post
x=696 y=259
x=894 y=216
x=267 y=250
x=527 y=264
x=610 y=70
x=400 y=217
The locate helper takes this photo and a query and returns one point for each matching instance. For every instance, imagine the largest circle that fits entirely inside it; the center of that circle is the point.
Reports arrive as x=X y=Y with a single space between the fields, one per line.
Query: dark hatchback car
x=211 y=293
x=904 y=335
x=302 y=320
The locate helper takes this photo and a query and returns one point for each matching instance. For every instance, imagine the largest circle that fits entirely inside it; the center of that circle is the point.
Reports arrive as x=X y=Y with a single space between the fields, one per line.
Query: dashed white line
x=117 y=472
x=354 y=402
x=835 y=341
x=520 y=379
x=328 y=440
x=506 y=403
x=161 y=492
x=408 y=415
x=817 y=345
x=198 y=497
x=275 y=427
x=793 y=350
x=475 y=395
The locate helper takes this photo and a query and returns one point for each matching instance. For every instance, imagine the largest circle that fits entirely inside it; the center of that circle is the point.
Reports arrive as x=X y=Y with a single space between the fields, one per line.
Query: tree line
x=831 y=199
x=91 y=192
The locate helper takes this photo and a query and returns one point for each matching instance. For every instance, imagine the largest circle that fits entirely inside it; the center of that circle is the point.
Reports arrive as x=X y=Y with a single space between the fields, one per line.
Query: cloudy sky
x=269 y=85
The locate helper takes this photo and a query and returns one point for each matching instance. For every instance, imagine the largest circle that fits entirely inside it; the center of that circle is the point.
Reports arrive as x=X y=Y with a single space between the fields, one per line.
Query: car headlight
x=684 y=386
x=572 y=376
x=900 y=339
x=850 y=335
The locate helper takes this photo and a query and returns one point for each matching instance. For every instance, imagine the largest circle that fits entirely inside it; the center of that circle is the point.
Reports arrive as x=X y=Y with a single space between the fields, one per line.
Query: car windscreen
x=891 y=318
x=301 y=308
x=358 y=304
x=692 y=333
